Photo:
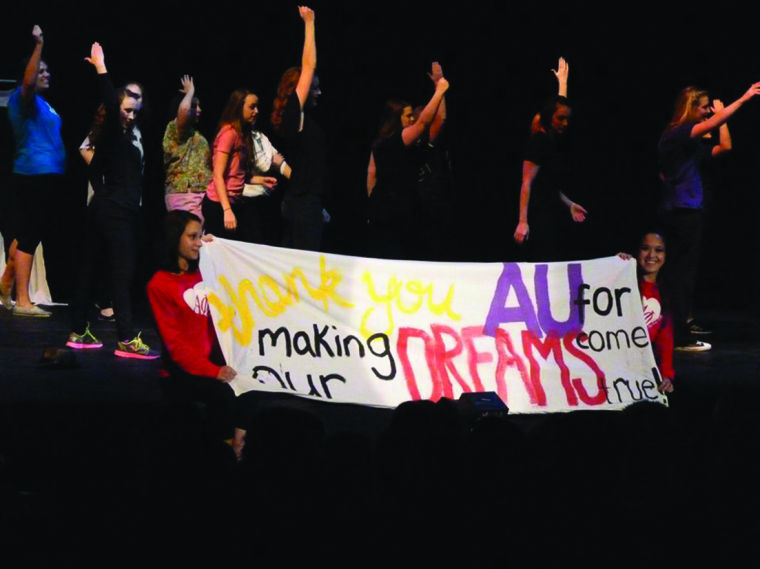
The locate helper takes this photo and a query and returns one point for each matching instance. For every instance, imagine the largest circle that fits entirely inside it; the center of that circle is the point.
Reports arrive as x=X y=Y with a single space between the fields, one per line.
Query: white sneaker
x=696 y=346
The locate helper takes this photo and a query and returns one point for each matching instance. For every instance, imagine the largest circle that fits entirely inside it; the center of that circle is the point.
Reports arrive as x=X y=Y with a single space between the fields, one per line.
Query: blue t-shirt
x=680 y=156
x=37 y=130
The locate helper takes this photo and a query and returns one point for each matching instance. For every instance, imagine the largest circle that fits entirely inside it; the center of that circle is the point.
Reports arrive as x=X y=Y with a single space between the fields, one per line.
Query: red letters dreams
x=453 y=358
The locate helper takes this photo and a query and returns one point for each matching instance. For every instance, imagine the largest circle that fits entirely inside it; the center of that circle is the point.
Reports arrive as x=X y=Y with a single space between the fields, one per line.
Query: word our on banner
x=545 y=337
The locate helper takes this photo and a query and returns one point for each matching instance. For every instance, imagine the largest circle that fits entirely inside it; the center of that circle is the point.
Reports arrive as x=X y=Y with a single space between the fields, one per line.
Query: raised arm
x=724 y=135
x=185 y=105
x=561 y=73
x=97 y=59
x=722 y=115
x=436 y=73
x=29 y=83
x=309 y=57
x=411 y=133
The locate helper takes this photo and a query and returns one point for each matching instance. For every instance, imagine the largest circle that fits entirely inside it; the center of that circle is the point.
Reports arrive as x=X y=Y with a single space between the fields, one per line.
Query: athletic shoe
x=33 y=311
x=135 y=348
x=696 y=346
x=695 y=328
x=84 y=341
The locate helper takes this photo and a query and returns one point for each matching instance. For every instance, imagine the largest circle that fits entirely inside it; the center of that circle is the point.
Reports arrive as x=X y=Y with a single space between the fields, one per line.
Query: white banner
x=544 y=337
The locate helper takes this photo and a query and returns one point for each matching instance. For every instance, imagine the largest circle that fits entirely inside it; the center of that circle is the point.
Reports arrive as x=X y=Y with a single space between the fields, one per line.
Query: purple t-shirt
x=680 y=155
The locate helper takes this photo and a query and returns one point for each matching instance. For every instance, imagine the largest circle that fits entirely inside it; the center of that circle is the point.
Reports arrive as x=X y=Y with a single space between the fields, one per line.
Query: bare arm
x=97 y=59
x=309 y=57
x=411 y=133
x=436 y=126
x=561 y=73
x=720 y=117
x=724 y=136
x=183 y=111
x=577 y=211
x=220 y=165
x=371 y=174
x=530 y=170
x=29 y=83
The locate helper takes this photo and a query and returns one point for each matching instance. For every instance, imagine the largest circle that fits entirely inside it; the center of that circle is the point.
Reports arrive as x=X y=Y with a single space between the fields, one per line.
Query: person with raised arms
x=112 y=216
x=38 y=168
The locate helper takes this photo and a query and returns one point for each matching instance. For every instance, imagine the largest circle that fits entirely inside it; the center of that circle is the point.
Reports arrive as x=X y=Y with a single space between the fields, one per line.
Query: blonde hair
x=686 y=106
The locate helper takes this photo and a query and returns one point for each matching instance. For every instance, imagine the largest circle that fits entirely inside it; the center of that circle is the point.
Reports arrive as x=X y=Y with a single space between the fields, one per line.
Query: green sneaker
x=135 y=348
x=84 y=341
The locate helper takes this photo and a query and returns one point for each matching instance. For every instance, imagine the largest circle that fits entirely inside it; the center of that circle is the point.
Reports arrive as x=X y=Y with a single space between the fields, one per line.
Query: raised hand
x=306 y=13
x=717 y=106
x=442 y=85
x=97 y=57
x=436 y=72
x=562 y=71
x=37 y=34
x=752 y=91
x=187 y=84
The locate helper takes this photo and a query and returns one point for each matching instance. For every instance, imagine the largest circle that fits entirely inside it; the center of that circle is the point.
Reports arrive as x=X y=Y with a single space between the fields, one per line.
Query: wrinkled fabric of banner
x=545 y=337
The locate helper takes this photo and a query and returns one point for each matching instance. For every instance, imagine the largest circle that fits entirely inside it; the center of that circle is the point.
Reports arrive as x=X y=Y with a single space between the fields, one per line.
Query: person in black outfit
x=304 y=143
x=546 y=175
x=392 y=175
x=112 y=216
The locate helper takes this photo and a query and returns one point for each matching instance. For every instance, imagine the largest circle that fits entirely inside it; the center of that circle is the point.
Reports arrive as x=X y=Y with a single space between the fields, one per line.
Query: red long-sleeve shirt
x=660 y=327
x=181 y=311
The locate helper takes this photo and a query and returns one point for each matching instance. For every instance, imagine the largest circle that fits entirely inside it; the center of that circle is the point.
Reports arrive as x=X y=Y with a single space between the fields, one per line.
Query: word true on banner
x=545 y=337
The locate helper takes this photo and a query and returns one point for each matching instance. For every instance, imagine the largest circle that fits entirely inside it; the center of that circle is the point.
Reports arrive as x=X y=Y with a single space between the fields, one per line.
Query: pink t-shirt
x=229 y=142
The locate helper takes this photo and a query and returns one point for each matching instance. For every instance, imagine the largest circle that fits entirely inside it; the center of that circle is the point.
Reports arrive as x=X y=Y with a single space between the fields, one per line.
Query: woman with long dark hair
x=681 y=148
x=392 y=174
x=112 y=216
x=222 y=205
x=304 y=143
x=193 y=361
x=545 y=176
x=650 y=258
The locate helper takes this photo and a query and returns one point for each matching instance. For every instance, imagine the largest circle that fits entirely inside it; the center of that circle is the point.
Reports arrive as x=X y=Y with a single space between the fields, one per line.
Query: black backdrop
x=627 y=62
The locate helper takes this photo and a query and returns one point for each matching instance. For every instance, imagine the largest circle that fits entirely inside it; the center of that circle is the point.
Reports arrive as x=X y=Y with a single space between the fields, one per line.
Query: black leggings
x=115 y=228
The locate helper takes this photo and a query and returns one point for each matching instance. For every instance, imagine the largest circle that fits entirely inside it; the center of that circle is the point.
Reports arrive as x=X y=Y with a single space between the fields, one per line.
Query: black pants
x=302 y=222
x=116 y=228
x=683 y=243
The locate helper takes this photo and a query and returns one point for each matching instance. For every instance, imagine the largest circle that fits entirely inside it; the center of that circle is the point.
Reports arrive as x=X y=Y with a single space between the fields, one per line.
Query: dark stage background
x=625 y=70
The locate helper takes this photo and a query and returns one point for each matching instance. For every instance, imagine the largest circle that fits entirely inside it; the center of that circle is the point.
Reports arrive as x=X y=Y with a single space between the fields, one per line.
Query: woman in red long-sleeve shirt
x=650 y=258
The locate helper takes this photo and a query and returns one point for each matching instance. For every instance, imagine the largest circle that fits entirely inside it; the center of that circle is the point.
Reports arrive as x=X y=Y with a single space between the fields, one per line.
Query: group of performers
x=221 y=189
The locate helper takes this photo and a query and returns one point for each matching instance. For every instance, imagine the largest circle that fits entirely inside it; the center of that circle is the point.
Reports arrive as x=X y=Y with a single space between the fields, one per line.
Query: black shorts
x=31 y=202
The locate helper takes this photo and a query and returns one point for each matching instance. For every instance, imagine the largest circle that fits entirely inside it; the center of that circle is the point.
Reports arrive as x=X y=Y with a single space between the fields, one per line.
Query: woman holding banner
x=650 y=259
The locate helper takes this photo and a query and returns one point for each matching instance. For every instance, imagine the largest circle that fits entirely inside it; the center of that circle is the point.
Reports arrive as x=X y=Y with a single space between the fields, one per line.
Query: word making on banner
x=545 y=337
